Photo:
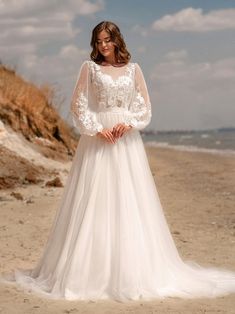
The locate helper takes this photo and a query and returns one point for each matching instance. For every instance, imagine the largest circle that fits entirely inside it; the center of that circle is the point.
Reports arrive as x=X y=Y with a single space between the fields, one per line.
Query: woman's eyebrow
x=104 y=38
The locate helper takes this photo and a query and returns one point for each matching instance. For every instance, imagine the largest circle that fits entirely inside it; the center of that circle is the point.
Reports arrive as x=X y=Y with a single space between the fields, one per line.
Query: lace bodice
x=108 y=88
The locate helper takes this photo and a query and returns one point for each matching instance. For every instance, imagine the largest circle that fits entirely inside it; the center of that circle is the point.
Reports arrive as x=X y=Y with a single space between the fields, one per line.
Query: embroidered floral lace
x=108 y=88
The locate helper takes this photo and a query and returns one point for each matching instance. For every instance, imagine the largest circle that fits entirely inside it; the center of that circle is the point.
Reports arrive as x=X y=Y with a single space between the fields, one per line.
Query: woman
x=110 y=238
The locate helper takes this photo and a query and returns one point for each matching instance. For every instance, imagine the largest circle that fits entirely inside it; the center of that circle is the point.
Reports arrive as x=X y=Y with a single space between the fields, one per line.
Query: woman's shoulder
x=85 y=62
x=136 y=64
x=87 y=65
x=92 y=66
x=90 y=61
x=137 y=67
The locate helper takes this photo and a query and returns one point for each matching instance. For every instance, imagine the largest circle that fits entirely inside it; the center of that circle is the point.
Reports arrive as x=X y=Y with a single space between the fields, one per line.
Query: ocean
x=220 y=141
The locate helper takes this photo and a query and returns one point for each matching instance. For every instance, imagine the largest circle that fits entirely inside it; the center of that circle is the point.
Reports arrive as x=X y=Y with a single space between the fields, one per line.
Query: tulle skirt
x=110 y=238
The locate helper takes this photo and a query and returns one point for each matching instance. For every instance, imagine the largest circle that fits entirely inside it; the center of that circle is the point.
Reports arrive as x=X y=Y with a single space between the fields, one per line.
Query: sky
x=186 y=50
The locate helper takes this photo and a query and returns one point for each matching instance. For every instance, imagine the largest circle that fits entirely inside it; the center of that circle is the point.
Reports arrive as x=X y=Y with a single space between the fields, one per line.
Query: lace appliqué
x=82 y=117
x=140 y=113
x=112 y=93
x=115 y=90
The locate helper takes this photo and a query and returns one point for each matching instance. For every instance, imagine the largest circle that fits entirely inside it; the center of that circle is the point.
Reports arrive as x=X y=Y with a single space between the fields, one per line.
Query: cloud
x=59 y=8
x=37 y=38
x=51 y=68
x=71 y=51
x=197 y=73
x=35 y=34
x=42 y=21
x=141 y=30
x=193 y=20
x=193 y=95
x=177 y=54
x=141 y=49
x=59 y=71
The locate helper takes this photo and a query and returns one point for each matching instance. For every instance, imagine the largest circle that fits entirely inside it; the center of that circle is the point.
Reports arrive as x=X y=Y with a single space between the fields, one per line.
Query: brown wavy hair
x=121 y=53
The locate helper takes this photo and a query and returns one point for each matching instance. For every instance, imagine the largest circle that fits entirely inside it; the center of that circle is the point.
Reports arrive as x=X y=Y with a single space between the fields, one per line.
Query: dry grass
x=30 y=110
x=15 y=89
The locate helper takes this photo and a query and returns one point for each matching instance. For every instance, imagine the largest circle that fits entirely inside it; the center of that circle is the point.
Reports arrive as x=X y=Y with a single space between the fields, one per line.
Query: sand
x=197 y=192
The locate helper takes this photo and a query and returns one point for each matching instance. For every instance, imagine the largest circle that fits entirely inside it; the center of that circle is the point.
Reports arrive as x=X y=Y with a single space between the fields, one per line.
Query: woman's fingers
x=121 y=131
x=107 y=135
x=115 y=131
x=118 y=130
x=125 y=129
x=110 y=137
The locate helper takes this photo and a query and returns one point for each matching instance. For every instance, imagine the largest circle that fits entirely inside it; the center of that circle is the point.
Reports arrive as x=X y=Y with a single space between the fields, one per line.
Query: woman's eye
x=106 y=41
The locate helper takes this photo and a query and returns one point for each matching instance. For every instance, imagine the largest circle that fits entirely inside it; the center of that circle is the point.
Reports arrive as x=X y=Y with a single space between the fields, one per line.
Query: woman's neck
x=112 y=62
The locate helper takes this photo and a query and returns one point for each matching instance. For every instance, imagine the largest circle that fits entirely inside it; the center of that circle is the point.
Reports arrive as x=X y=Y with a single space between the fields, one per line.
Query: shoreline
x=190 y=148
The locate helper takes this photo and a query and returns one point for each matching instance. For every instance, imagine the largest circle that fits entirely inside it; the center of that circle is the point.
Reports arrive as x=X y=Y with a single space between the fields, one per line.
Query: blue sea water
x=213 y=141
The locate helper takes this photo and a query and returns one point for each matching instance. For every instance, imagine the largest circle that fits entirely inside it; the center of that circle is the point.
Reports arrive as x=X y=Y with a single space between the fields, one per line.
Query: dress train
x=110 y=238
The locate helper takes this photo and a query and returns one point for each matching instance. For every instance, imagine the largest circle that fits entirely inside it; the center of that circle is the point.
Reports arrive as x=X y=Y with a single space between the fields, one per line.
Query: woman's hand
x=119 y=129
x=107 y=135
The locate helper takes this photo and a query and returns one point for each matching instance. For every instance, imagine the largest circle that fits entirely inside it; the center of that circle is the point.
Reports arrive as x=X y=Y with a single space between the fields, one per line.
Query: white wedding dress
x=110 y=238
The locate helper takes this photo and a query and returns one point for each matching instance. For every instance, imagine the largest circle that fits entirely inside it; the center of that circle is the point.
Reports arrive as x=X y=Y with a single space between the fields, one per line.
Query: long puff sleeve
x=82 y=116
x=139 y=114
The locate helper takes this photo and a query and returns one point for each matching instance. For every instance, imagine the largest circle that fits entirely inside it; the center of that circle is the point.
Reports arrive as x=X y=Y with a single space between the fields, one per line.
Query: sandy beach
x=197 y=192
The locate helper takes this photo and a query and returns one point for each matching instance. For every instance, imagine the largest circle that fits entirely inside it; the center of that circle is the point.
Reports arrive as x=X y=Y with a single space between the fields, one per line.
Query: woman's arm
x=83 y=118
x=139 y=115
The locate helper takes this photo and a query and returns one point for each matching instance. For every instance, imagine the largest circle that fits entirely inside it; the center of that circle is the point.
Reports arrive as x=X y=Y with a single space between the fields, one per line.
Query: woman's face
x=105 y=45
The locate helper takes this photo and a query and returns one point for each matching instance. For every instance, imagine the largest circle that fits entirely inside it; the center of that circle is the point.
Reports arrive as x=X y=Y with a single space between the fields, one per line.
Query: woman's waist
x=113 y=110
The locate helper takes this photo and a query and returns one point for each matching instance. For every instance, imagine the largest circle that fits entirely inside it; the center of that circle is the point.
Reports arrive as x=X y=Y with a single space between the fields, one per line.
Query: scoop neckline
x=110 y=65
